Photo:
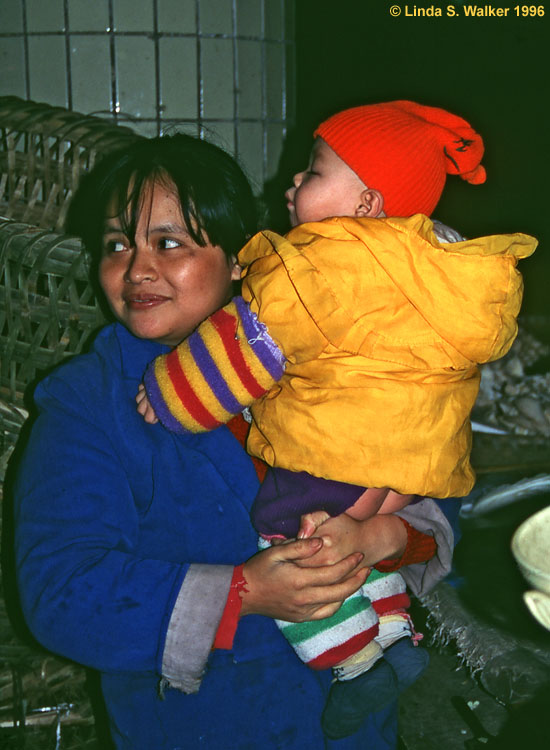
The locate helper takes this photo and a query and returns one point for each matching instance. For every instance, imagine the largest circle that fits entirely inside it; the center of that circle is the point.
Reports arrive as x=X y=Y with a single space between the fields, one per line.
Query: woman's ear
x=371 y=204
x=236 y=270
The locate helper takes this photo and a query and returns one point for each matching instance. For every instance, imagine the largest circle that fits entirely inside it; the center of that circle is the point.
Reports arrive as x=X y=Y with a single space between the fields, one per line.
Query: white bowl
x=531 y=548
x=538 y=604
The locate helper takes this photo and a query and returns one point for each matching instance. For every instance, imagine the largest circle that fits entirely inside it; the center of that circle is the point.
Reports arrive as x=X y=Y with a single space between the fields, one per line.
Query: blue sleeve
x=86 y=593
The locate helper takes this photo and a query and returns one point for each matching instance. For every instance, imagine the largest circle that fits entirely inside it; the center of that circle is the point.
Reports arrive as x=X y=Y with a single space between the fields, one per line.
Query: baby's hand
x=144 y=407
x=310 y=522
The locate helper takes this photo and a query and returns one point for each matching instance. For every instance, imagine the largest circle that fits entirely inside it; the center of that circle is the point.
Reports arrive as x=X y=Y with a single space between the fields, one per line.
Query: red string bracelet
x=230 y=617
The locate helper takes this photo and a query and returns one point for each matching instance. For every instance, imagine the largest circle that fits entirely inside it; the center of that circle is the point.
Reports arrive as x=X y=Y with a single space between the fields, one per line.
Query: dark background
x=491 y=71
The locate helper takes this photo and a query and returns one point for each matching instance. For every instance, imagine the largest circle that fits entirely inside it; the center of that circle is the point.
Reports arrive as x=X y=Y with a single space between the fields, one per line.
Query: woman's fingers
x=318 y=601
x=298 y=550
x=328 y=575
x=278 y=587
x=144 y=407
x=325 y=598
x=322 y=575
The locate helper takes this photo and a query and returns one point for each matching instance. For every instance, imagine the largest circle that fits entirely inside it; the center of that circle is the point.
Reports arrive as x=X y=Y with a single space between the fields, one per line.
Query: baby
x=356 y=343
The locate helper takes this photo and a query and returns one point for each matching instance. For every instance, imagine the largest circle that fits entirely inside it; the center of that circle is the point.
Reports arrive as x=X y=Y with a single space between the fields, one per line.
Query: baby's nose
x=297 y=179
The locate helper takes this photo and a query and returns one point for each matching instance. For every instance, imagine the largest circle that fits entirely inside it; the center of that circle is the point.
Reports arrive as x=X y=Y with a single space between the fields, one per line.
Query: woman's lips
x=144 y=301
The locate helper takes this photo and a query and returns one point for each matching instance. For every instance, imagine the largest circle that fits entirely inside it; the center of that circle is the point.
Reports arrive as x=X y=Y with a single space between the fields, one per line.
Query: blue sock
x=407 y=661
x=351 y=701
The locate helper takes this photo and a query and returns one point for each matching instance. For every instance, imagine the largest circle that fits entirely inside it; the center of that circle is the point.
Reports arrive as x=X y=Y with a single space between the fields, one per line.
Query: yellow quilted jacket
x=383 y=327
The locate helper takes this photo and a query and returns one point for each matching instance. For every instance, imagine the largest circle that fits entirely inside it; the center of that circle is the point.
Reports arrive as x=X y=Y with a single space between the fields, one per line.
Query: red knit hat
x=405 y=150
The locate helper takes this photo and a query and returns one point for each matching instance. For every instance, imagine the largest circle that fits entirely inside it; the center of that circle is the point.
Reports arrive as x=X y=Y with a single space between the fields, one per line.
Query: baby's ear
x=371 y=204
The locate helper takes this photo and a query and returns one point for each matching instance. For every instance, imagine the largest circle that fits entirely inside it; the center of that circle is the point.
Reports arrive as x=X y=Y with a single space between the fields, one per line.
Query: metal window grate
x=221 y=69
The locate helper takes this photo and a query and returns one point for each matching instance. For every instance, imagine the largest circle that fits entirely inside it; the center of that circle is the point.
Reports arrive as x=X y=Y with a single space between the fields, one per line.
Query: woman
x=131 y=541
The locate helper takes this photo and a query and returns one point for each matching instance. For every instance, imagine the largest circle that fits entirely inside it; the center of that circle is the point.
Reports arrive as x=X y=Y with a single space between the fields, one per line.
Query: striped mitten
x=229 y=362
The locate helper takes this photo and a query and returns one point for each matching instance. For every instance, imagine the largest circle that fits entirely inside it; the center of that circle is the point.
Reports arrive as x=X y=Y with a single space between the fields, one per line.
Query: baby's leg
x=388 y=594
x=377 y=500
x=396 y=635
x=363 y=688
x=364 y=682
x=323 y=644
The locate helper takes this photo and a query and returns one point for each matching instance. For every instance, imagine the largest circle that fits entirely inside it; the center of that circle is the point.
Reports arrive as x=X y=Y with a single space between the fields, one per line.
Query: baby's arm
x=378 y=500
x=373 y=501
x=225 y=365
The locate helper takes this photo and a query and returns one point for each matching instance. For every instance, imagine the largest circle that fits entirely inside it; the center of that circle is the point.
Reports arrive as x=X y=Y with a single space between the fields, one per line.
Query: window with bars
x=223 y=69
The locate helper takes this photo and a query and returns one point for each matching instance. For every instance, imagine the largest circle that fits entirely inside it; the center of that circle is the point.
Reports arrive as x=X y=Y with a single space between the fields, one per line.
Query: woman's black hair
x=217 y=202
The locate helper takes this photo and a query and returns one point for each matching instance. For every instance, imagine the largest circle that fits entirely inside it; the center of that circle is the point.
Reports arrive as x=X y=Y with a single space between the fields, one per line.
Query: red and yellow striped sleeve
x=229 y=362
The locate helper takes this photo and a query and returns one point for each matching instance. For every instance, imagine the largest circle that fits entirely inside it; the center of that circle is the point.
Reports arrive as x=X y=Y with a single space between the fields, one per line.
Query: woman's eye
x=168 y=244
x=114 y=246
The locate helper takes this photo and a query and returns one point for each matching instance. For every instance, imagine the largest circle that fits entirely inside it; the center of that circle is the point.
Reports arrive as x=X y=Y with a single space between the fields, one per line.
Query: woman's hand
x=144 y=406
x=278 y=586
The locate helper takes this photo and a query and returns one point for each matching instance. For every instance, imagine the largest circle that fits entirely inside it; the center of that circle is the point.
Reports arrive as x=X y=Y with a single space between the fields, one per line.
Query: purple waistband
x=286 y=495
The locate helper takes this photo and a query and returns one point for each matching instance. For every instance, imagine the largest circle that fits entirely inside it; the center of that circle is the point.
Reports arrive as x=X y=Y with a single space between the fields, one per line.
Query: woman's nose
x=141 y=266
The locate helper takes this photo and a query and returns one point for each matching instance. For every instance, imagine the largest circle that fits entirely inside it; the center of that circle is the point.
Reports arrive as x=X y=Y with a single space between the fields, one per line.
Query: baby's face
x=328 y=187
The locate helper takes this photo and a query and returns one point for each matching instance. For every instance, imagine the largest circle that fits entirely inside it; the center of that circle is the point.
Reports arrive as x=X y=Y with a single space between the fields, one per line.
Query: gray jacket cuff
x=193 y=625
x=427 y=517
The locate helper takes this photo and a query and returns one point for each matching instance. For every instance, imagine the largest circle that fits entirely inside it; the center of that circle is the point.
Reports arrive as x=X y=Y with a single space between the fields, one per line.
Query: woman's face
x=164 y=284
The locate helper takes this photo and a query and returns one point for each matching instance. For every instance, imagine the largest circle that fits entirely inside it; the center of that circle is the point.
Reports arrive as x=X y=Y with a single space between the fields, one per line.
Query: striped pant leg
x=388 y=593
x=322 y=644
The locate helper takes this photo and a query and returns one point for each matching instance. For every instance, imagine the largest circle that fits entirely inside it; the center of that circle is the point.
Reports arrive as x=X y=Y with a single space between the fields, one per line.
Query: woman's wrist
x=232 y=612
x=247 y=597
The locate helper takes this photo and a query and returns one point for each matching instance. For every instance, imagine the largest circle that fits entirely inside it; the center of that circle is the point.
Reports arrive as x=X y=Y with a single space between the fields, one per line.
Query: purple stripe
x=212 y=375
x=159 y=404
x=269 y=354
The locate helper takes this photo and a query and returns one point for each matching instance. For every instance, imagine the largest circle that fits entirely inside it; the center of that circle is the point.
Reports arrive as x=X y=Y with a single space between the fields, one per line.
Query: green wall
x=492 y=71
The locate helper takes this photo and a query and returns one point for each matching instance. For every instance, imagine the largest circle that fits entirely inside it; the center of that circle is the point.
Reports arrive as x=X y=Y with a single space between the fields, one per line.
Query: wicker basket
x=47 y=303
x=43 y=152
x=48 y=311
